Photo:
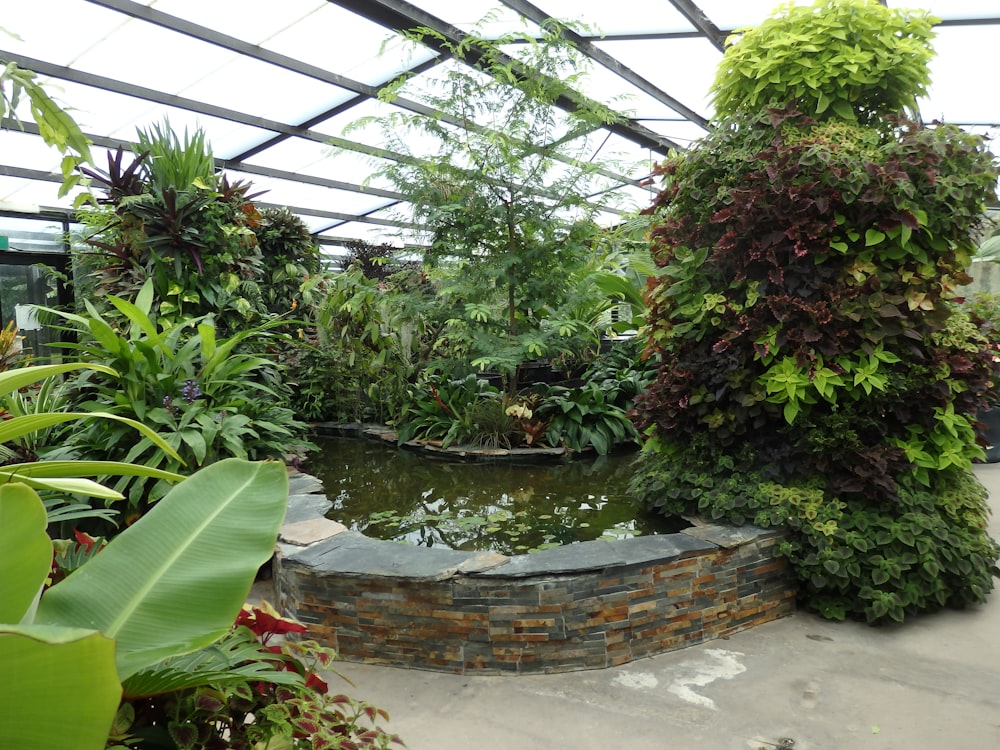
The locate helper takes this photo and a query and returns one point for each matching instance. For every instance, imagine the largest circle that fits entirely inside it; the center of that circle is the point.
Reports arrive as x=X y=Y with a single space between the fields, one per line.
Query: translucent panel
x=31 y=193
x=466 y=15
x=618 y=17
x=335 y=126
x=684 y=68
x=352 y=125
x=86 y=37
x=681 y=132
x=352 y=167
x=287 y=193
x=99 y=111
x=313 y=223
x=963 y=54
x=607 y=87
x=371 y=233
x=728 y=15
x=636 y=199
x=28 y=151
x=336 y=39
x=953 y=9
x=56 y=31
x=252 y=20
x=265 y=90
x=151 y=56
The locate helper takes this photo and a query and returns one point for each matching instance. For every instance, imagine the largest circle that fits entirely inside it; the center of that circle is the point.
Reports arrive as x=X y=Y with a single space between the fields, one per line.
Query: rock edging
x=582 y=606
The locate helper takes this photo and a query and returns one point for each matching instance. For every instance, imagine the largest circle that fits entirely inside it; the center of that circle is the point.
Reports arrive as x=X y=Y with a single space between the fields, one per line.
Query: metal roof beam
x=697 y=18
x=365 y=91
x=610 y=62
x=401 y=16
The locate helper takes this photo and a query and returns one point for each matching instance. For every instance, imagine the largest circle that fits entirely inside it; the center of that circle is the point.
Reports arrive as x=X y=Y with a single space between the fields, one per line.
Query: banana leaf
x=60 y=689
x=26 y=550
x=174 y=581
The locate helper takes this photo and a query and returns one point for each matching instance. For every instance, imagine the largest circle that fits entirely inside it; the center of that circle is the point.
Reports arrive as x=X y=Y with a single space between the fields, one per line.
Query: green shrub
x=168 y=219
x=209 y=399
x=850 y=59
x=810 y=251
x=854 y=557
x=443 y=409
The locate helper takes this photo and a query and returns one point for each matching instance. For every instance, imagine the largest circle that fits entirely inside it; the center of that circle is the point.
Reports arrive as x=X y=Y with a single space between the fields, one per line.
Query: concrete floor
x=801 y=682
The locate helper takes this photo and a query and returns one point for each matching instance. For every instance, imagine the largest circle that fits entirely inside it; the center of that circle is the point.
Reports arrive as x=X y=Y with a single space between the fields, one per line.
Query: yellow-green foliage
x=850 y=59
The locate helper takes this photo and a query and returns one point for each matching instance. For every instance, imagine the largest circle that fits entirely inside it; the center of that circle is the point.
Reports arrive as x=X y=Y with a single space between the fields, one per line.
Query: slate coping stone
x=303 y=484
x=644 y=550
x=310 y=531
x=353 y=554
x=570 y=558
x=306 y=507
x=727 y=537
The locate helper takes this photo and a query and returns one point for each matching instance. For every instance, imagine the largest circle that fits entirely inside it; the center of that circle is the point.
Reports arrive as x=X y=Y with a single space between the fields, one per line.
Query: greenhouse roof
x=273 y=84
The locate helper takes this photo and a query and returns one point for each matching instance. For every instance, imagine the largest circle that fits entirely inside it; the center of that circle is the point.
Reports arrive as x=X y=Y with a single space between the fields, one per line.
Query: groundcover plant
x=817 y=373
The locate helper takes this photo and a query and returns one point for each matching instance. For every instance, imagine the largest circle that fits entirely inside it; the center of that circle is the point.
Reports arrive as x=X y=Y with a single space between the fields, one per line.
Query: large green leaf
x=60 y=689
x=175 y=581
x=16 y=427
x=26 y=549
x=13 y=380
x=237 y=657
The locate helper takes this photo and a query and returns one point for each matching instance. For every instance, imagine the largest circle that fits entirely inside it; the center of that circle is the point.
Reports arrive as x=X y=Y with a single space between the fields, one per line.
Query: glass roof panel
x=952 y=9
x=335 y=39
x=60 y=43
x=288 y=193
x=34 y=193
x=619 y=17
x=147 y=55
x=467 y=14
x=727 y=15
x=252 y=20
x=685 y=68
x=27 y=151
x=265 y=90
x=952 y=95
x=321 y=33
x=681 y=132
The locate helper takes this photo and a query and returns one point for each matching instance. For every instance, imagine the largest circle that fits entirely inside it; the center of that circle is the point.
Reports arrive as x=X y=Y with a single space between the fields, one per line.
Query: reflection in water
x=391 y=493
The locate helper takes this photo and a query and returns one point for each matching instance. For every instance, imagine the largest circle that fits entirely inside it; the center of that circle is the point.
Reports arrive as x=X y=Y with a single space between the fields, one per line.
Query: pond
x=397 y=494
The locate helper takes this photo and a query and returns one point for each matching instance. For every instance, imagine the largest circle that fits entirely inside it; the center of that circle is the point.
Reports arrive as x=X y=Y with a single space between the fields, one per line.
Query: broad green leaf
x=27 y=551
x=60 y=689
x=175 y=580
x=139 y=319
x=70 y=485
x=25 y=425
x=237 y=657
x=873 y=237
x=13 y=380
x=62 y=469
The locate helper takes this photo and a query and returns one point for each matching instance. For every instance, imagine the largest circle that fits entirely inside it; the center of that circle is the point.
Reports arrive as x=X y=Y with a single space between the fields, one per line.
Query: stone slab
x=726 y=537
x=570 y=558
x=310 y=531
x=353 y=554
x=482 y=561
x=302 y=507
x=644 y=550
x=303 y=484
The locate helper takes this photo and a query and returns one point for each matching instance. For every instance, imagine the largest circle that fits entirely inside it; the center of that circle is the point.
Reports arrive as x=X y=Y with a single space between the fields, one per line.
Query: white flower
x=519 y=411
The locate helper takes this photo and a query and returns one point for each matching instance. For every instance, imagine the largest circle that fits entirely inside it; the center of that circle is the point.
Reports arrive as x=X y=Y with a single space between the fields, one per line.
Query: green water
x=397 y=494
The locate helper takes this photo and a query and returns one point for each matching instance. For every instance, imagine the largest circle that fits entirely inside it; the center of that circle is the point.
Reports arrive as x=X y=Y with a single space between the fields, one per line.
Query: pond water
x=398 y=494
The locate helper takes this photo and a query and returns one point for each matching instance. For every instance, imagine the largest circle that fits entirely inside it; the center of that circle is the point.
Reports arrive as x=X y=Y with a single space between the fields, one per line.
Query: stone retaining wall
x=582 y=606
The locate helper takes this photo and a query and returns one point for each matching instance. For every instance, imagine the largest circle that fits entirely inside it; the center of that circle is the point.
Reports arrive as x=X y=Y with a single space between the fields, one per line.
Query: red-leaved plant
x=258 y=714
